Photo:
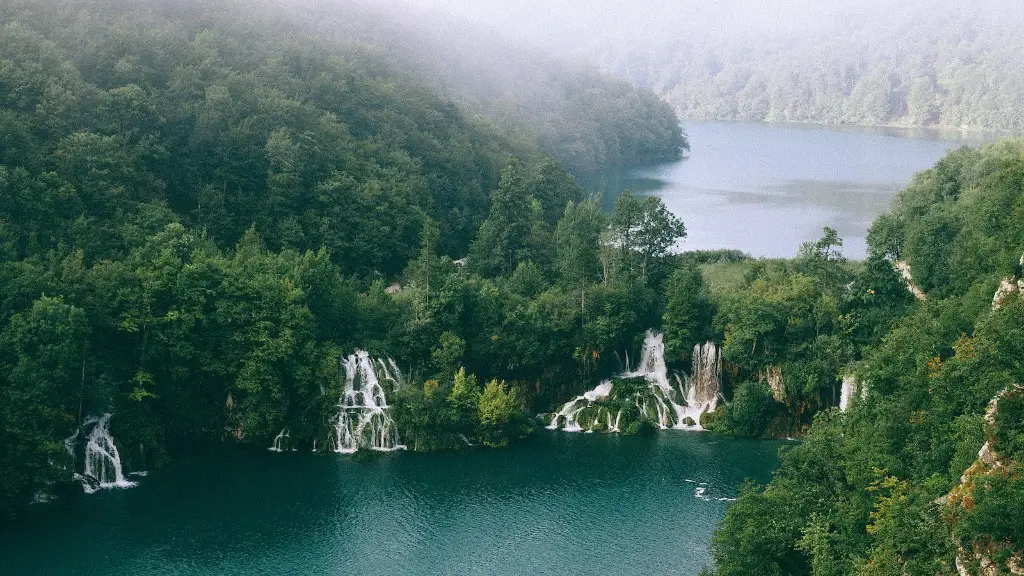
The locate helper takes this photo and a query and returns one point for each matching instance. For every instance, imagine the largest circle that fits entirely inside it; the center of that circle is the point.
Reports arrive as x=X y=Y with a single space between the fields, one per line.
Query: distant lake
x=767 y=188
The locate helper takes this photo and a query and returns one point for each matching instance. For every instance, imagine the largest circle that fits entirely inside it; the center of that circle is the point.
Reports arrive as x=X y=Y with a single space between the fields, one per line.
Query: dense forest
x=954 y=66
x=204 y=206
x=200 y=219
x=587 y=120
x=922 y=473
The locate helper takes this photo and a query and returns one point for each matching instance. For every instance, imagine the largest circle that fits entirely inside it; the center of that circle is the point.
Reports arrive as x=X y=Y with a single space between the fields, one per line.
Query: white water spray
x=364 y=419
x=704 y=383
x=852 y=388
x=847 y=392
x=103 y=468
x=282 y=441
x=567 y=416
x=679 y=406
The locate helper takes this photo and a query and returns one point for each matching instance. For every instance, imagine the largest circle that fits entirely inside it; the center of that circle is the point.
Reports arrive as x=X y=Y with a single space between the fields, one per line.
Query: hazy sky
x=569 y=26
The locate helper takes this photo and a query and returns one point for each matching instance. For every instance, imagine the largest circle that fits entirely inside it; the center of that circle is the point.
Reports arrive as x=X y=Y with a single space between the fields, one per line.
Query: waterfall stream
x=282 y=441
x=102 y=468
x=677 y=406
x=852 y=388
x=364 y=418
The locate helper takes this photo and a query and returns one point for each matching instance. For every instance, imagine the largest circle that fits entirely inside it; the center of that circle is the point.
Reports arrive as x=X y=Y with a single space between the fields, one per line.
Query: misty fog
x=574 y=27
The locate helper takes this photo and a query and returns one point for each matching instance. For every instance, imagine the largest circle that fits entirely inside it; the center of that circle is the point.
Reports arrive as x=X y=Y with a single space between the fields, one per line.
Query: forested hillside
x=586 y=119
x=900 y=483
x=945 y=65
x=202 y=205
x=206 y=206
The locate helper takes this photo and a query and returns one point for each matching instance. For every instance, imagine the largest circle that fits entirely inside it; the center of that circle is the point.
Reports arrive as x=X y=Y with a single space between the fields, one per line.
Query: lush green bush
x=749 y=414
x=994 y=523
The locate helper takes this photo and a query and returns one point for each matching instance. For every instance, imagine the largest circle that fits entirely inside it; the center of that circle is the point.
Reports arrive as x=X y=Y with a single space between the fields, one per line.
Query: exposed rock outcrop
x=983 y=559
x=772 y=375
x=1008 y=286
x=904 y=270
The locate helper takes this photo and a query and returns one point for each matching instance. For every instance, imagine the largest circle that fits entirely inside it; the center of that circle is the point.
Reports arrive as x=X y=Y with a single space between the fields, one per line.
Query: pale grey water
x=767 y=188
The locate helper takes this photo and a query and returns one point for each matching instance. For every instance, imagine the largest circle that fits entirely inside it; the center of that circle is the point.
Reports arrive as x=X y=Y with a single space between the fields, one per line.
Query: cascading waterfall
x=102 y=467
x=364 y=419
x=567 y=416
x=847 y=392
x=281 y=441
x=852 y=388
x=661 y=403
x=679 y=406
x=704 y=384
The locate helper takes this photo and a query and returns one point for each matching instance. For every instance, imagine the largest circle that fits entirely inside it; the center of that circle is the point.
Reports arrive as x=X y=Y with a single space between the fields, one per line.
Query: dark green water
x=560 y=504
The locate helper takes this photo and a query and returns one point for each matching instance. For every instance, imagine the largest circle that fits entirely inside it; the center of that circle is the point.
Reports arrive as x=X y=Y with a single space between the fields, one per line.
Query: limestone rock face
x=903 y=268
x=1006 y=287
x=983 y=562
x=773 y=376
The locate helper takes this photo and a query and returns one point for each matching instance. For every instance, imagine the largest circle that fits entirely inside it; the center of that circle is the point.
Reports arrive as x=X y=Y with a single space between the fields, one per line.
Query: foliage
x=688 y=312
x=1009 y=426
x=43 y=359
x=749 y=414
x=997 y=516
x=202 y=208
x=456 y=413
x=501 y=415
x=930 y=370
x=642 y=232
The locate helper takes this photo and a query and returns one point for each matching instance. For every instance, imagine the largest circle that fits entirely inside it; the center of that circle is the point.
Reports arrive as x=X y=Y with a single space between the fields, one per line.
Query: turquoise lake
x=560 y=503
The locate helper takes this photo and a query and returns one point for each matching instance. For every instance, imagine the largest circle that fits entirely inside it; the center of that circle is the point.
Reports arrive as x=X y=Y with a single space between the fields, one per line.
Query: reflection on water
x=767 y=188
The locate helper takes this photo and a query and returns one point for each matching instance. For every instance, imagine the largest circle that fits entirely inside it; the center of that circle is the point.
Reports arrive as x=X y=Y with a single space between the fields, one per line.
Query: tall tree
x=643 y=231
x=502 y=241
x=577 y=239
x=688 y=311
x=41 y=392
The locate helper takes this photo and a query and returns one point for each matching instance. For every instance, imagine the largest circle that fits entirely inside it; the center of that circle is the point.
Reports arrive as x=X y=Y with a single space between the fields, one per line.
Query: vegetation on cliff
x=866 y=492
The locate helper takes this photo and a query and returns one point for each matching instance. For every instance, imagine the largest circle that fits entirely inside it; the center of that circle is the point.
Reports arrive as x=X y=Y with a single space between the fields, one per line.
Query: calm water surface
x=560 y=504
x=767 y=188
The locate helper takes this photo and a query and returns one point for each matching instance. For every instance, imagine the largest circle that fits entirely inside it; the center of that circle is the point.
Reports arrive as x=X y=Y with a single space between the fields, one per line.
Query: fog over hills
x=916 y=63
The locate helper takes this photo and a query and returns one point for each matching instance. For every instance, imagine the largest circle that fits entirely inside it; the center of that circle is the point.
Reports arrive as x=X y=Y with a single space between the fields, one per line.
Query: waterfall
x=852 y=387
x=570 y=412
x=704 y=384
x=102 y=467
x=679 y=406
x=661 y=402
x=364 y=419
x=281 y=441
x=848 y=390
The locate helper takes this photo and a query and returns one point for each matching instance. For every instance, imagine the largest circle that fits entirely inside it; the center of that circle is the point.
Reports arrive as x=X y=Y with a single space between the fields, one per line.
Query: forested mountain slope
x=924 y=64
x=586 y=119
x=201 y=207
x=879 y=489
